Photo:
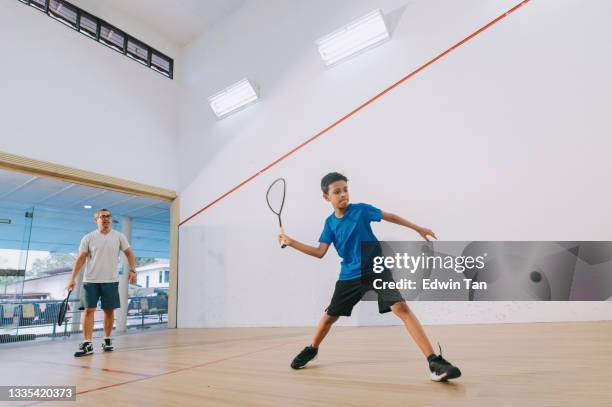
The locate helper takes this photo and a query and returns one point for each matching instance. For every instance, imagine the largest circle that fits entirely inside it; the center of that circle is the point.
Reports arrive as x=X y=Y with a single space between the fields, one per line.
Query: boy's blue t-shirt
x=347 y=233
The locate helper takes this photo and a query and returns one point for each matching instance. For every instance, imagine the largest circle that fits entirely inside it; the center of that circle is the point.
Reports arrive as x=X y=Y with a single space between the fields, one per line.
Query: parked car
x=150 y=304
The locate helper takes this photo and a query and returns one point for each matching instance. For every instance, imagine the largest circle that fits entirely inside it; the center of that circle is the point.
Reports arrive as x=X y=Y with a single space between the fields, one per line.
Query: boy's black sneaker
x=107 y=345
x=85 y=348
x=305 y=356
x=442 y=370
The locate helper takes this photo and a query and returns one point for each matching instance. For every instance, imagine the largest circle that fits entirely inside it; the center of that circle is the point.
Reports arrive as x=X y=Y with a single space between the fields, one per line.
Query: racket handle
x=282 y=231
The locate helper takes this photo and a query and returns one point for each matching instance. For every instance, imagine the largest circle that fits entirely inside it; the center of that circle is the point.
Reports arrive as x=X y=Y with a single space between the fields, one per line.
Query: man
x=99 y=251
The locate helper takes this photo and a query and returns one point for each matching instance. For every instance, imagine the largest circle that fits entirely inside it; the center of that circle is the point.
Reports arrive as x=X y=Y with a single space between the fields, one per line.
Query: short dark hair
x=329 y=179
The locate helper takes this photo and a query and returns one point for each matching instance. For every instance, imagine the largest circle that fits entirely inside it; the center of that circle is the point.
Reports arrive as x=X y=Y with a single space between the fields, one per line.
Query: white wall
x=507 y=138
x=69 y=100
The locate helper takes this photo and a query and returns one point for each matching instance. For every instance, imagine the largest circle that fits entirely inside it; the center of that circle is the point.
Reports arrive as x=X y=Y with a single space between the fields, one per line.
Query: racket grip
x=282 y=231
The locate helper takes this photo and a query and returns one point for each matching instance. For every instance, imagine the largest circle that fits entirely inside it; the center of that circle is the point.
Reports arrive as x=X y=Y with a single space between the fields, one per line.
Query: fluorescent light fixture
x=357 y=36
x=233 y=98
x=87 y=206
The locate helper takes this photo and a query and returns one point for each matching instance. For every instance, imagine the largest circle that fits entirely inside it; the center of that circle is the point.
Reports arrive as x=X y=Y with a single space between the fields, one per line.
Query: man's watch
x=133 y=271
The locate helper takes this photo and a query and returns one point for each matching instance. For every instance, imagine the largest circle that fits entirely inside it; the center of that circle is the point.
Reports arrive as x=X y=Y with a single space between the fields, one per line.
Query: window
x=89 y=25
x=161 y=63
x=160 y=276
x=137 y=51
x=109 y=35
x=112 y=37
x=39 y=4
x=63 y=12
x=147 y=283
x=167 y=276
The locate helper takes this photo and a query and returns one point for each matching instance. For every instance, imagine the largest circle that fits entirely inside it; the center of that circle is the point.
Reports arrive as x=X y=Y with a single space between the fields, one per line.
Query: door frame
x=74 y=175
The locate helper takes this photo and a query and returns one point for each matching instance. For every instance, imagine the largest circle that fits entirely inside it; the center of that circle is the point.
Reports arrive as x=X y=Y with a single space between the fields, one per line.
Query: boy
x=346 y=228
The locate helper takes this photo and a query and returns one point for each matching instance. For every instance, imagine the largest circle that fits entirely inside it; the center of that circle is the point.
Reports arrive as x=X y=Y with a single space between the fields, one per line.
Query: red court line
x=172 y=371
x=343 y=118
x=188 y=367
x=177 y=370
x=104 y=369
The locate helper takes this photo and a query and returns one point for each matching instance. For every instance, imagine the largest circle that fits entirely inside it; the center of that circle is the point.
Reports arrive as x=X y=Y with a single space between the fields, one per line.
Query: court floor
x=537 y=364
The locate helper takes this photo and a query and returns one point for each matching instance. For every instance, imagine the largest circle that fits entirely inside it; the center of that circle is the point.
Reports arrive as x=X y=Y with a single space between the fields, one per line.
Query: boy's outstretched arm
x=318 y=252
x=393 y=218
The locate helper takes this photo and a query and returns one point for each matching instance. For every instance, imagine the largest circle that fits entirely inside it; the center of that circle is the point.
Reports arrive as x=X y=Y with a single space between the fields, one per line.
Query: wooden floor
x=546 y=364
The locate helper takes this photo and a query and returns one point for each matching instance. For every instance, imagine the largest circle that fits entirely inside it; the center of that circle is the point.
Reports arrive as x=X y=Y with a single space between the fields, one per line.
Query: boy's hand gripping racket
x=275 y=196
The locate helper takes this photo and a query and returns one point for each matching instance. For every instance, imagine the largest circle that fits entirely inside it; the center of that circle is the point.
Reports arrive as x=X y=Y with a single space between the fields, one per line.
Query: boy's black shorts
x=349 y=292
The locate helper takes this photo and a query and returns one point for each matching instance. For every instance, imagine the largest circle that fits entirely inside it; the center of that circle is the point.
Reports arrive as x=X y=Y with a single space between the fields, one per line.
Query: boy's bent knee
x=400 y=308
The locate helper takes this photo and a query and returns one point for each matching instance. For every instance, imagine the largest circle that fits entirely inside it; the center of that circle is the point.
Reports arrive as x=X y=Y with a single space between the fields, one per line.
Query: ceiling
x=177 y=20
x=60 y=218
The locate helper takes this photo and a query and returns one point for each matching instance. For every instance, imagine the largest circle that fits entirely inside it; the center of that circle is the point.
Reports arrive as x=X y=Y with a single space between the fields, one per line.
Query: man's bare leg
x=109 y=320
x=88 y=323
x=86 y=347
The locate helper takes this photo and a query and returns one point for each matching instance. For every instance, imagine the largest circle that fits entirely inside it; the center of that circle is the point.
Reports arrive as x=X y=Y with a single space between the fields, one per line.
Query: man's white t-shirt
x=102 y=255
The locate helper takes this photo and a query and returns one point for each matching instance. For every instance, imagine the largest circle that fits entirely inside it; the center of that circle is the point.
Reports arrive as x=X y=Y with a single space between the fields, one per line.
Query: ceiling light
x=357 y=36
x=233 y=98
x=87 y=206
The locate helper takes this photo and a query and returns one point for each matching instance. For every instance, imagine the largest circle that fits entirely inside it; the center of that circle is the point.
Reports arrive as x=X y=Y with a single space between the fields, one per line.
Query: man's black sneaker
x=305 y=356
x=107 y=345
x=85 y=348
x=442 y=370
